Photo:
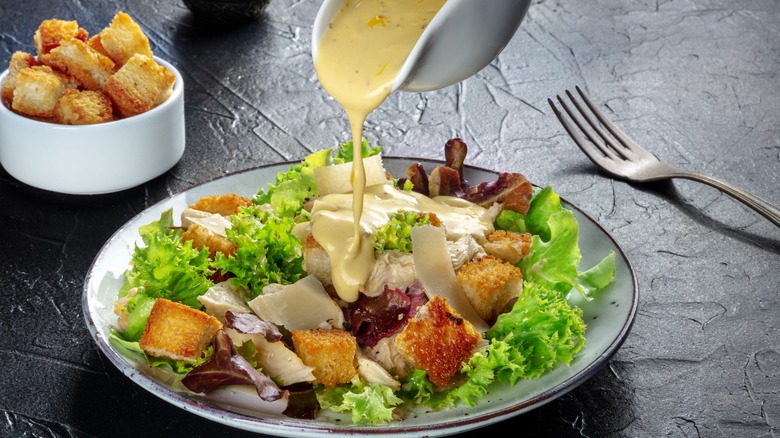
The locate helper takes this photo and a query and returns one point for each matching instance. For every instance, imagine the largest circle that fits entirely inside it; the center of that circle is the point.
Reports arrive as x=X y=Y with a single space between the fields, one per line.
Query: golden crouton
x=37 y=90
x=507 y=245
x=83 y=108
x=122 y=39
x=19 y=60
x=74 y=57
x=316 y=261
x=87 y=64
x=140 y=85
x=330 y=352
x=96 y=44
x=225 y=205
x=201 y=238
x=177 y=331
x=51 y=32
x=490 y=284
x=437 y=340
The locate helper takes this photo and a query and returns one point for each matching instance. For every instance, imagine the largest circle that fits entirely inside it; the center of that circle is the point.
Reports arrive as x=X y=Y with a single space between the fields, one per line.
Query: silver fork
x=611 y=150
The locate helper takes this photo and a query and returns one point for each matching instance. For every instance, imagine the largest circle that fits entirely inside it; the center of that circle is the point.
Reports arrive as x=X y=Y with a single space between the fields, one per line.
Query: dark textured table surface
x=696 y=82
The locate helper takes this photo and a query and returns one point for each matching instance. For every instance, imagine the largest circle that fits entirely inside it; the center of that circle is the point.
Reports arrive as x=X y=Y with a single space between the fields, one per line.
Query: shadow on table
x=668 y=191
x=42 y=220
x=219 y=40
x=196 y=27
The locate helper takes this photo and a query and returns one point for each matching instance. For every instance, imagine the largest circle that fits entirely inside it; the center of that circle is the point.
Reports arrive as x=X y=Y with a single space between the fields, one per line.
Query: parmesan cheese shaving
x=434 y=270
x=337 y=178
x=216 y=223
x=276 y=360
x=303 y=305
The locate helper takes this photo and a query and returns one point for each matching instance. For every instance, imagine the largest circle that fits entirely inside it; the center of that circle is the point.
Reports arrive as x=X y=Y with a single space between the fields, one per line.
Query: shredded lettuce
x=267 y=251
x=481 y=371
x=418 y=389
x=498 y=361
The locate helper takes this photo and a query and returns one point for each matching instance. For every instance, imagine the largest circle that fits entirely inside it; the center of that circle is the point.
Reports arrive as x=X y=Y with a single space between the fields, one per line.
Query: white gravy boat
x=462 y=39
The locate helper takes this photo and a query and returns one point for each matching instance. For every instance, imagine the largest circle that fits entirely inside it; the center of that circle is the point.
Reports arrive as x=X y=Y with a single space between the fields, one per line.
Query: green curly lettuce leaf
x=164 y=267
x=544 y=202
x=500 y=361
x=344 y=153
x=267 y=251
x=293 y=187
x=167 y=266
x=128 y=348
x=371 y=403
x=543 y=329
x=397 y=232
x=555 y=254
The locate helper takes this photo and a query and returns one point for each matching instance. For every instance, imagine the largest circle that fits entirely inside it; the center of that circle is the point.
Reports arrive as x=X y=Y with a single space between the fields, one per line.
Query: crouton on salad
x=438 y=341
x=177 y=331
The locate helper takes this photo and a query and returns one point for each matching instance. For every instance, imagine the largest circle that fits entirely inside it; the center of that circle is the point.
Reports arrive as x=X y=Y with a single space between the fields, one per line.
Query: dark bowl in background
x=226 y=11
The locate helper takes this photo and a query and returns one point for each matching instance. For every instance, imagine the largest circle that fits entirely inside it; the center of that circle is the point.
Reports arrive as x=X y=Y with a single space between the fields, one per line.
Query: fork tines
x=617 y=145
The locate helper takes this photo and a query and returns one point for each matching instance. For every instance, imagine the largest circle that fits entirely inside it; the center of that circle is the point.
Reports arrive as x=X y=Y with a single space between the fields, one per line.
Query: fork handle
x=763 y=208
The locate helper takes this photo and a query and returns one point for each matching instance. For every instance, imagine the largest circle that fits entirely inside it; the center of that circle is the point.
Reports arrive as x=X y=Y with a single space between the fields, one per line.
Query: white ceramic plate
x=609 y=318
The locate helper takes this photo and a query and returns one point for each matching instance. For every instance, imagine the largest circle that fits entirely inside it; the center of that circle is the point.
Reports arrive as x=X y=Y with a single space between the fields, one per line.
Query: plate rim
x=288 y=428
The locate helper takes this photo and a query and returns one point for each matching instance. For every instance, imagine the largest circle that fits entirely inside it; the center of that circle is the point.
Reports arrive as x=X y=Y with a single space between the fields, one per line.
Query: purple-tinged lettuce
x=249 y=323
x=374 y=318
x=227 y=367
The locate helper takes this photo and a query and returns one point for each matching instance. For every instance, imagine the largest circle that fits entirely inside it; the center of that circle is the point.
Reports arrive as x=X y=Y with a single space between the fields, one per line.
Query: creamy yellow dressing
x=357 y=61
x=332 y=224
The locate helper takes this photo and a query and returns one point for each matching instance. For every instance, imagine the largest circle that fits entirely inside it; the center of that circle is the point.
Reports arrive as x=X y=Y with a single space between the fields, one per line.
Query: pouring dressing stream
x=357 y=62
x=366 y=49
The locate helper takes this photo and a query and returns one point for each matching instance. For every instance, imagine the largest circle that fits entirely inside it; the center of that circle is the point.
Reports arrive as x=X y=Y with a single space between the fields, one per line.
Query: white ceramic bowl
x=94 y=159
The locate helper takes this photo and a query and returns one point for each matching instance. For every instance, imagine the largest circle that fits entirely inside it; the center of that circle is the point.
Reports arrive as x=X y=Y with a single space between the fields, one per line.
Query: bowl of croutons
x=89 y=115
